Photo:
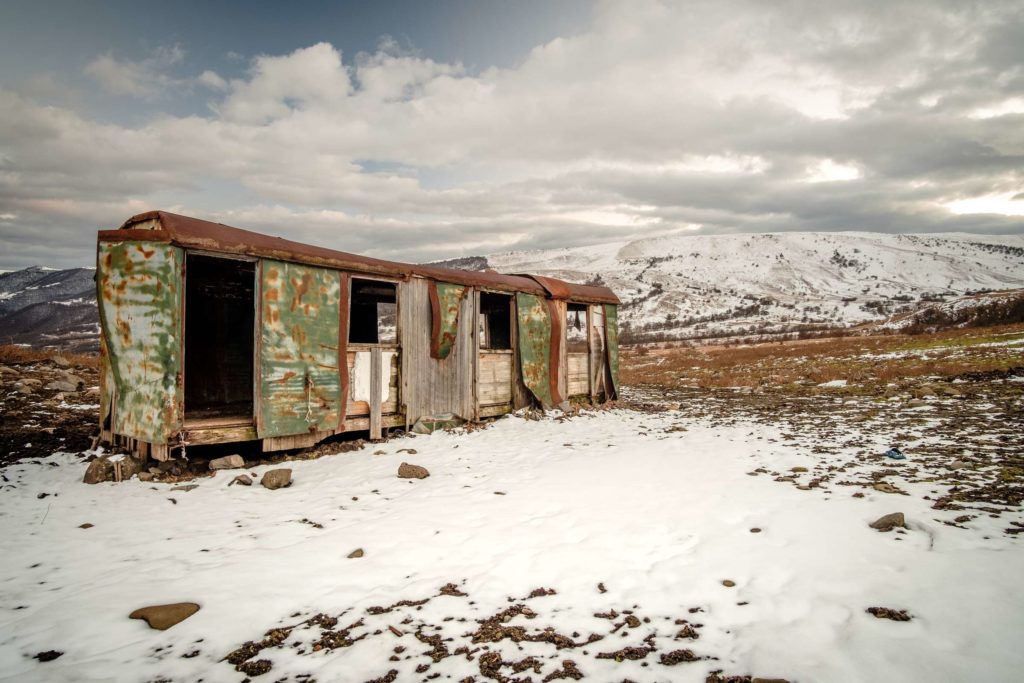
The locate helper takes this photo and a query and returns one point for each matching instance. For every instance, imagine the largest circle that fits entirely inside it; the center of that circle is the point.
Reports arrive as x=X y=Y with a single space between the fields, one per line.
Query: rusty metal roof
x=194 y=233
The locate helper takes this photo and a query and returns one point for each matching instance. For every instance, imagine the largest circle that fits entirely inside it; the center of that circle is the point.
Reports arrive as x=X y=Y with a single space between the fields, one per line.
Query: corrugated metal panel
x=430 y=386
x=611 y=323
x=300 y=382
x=445 y=301
x=536 y=343
x=139 y=291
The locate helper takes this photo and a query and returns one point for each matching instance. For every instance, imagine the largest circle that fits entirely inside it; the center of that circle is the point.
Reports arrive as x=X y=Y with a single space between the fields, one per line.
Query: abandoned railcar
x=212 y=334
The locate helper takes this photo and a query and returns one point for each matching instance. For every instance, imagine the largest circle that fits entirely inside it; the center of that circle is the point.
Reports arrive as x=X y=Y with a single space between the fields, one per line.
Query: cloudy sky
x=427 y=130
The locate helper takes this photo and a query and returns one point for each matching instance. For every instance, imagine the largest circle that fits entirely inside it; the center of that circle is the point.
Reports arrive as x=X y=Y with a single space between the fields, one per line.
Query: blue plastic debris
x=895 y=454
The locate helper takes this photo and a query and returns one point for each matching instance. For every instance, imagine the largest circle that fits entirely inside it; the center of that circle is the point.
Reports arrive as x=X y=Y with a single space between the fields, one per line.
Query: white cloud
x=828 y=170
x=658 y=117
x=144 y=79
x=1007 y=204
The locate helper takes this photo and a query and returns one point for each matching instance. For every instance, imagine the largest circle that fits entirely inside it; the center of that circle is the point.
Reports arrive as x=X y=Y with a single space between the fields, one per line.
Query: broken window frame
x=483 y=330
x=582 y=315
x=356 y=345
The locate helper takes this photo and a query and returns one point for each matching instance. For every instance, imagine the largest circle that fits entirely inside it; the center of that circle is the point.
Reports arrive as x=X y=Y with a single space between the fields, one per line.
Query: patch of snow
x=659 y=517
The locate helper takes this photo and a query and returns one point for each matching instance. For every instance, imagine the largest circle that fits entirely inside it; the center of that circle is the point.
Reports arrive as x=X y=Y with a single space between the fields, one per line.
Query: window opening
x=495 y=321
x=576 y=328
x=373 y=312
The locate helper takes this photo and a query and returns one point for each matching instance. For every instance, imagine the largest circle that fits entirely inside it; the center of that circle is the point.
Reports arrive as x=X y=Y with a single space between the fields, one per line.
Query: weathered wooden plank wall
x=431 y=386
x=495 y=377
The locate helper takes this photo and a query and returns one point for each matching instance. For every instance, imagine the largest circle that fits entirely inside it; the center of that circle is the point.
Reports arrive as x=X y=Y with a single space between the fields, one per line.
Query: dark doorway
x=220 y=300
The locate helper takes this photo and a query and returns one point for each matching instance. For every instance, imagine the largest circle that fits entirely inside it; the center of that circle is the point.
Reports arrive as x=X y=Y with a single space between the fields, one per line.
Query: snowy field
x=654 y=509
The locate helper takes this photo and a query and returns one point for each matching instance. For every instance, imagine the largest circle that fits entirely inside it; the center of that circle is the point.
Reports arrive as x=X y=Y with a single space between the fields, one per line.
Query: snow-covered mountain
x=703 y=286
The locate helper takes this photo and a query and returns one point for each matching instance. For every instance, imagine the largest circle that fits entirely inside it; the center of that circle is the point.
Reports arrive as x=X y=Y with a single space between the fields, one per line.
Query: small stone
x=185 y=487
x=957 y=465
x=242 y=480
x=728 y=583
x=886 y=488
x=145 y=476
x=228 y=462
x=162 y=617
x=26 y=389
x=48 y=656
x=755 y=530
x=889 y=522
x=87 y=525
x=915 y=403
x=358 y=552
x=61 y=385
x=10 y=372
x=277 y=479
x=797 y=469
x=407 y=471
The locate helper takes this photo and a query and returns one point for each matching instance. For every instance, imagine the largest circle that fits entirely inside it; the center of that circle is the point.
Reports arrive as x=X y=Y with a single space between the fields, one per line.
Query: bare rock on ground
x=100 y=469
x=277 y=479
x=162 y=617
x=407 y=471
x=228 y=462
x=889 y=522
x=358 y=552
x=242 y=480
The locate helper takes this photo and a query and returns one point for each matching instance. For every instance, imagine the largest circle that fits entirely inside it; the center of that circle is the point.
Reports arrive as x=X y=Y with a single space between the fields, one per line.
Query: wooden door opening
x=220 y=299
x=495 y=361
x=577 y=340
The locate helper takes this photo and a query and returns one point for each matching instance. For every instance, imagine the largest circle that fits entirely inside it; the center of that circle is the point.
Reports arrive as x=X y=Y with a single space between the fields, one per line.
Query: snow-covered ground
x=656 y=508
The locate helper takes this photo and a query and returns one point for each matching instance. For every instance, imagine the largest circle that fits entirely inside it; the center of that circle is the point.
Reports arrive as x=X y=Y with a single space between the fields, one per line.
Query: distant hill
x=46 y=307
x=679 y=287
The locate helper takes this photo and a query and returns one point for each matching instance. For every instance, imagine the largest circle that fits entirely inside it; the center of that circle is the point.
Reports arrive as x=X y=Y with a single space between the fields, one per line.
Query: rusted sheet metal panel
x=300 y=381
x=199 y=234
x=539 y=348
x=139 y=292
x=611 y=328
x=445 y=300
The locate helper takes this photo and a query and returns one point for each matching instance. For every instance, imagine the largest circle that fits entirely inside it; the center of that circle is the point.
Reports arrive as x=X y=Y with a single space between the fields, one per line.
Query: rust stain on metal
x=445 y=301
x=611 y=334
x=194 y=233
x=300 y=387
x=139 y=293
x=535 y=347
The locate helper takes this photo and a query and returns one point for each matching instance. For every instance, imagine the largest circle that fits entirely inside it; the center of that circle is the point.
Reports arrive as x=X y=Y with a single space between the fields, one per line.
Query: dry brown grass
x=12 y=353
x=854 y=359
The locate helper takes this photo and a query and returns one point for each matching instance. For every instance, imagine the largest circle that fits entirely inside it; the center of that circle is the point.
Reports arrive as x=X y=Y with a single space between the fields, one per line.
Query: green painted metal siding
x=445 y=329
x=611 y=322
x=300 y=385
x=139 y=291
x=535 y=345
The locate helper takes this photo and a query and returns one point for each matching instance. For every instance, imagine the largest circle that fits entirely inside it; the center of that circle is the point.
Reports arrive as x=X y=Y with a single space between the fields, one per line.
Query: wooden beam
x=375 y=390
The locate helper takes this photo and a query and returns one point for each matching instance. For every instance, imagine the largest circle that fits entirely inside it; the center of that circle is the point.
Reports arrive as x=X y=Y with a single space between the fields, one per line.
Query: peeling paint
x=300 y=382
x=611 y=323
x=535 y=346
x=139 y=293
x=445 y=300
